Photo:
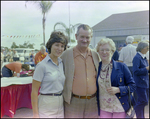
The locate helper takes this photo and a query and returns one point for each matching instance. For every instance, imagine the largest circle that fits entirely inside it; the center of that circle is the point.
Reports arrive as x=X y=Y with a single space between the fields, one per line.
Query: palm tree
x=45 y=7
x=68 y=31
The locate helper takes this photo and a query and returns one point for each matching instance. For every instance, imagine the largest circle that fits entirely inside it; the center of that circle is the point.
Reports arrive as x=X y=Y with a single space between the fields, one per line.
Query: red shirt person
x=40 y=55
x=13 y=69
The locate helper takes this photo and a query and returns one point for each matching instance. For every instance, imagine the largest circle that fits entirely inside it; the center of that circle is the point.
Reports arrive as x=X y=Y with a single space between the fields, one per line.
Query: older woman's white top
x=109 y=103
x=50 y=75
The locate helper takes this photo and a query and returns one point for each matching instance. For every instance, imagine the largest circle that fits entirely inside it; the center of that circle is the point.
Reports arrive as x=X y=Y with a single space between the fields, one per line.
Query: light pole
x=69 y=21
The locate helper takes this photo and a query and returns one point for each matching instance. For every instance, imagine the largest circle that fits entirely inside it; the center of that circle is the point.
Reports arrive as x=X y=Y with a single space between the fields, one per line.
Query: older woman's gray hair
x=130 y=39
x=43 y=47
x=105 y=41
x=142 y=45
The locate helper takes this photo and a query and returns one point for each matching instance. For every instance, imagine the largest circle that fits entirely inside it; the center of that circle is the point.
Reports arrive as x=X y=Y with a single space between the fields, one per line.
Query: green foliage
x=41 y=44
x=68 y=31
x=14 y=45
x=24 y=45
x=45 y=6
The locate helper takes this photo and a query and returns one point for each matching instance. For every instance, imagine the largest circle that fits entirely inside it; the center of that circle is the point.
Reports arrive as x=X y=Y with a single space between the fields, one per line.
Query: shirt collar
x=143 y=55
x=47 y=59
x=79 y=53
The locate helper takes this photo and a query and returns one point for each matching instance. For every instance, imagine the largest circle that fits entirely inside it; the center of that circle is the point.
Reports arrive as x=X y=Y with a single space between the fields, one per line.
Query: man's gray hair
x=130 y=39
x=85 y=27
x=142 y=45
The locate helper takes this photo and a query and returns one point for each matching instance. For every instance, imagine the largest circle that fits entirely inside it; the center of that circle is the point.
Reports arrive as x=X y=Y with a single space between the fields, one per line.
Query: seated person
x=13 y=69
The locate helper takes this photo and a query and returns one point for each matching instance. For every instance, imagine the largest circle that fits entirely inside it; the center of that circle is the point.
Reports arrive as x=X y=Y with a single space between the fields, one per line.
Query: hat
x=130 y=39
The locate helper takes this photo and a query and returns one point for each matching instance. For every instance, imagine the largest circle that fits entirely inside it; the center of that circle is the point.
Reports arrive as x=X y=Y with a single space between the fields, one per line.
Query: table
x=15 y=93
x=14 y=97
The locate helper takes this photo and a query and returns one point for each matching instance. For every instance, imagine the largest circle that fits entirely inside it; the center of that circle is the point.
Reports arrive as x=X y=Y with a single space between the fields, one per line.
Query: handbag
x=131 y=112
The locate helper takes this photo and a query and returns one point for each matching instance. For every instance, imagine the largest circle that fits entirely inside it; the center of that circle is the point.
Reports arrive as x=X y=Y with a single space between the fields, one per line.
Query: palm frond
x=45 y=6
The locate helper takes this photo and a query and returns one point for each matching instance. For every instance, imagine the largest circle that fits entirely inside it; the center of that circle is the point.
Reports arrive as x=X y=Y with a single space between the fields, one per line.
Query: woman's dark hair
x=56 y=36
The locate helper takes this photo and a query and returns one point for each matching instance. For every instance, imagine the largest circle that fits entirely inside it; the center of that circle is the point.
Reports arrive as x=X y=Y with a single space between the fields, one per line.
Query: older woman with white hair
x=112 y=82
x=140 y=75
x=40 y=55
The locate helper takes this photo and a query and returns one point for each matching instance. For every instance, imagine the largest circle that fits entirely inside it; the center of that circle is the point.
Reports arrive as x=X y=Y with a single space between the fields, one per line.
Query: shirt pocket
x=143 y=78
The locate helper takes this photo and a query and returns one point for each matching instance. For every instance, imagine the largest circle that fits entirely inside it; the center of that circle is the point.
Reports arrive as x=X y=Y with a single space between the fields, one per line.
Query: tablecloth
x=14 y=97
x=6 y=81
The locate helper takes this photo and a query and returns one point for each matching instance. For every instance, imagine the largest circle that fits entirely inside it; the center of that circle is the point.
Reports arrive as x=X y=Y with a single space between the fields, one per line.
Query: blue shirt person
x=49 y=75
x=141 y=77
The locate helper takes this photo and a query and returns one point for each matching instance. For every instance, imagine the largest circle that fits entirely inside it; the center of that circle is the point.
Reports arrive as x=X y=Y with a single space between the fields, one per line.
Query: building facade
x=119 y=26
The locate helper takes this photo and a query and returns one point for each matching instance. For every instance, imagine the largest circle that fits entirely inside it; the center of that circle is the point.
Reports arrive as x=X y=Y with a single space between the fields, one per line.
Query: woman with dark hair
x=50 y=76
x=140 y=75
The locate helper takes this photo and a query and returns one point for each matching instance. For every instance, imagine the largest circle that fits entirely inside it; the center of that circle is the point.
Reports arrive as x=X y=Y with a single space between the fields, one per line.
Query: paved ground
x=27 y=113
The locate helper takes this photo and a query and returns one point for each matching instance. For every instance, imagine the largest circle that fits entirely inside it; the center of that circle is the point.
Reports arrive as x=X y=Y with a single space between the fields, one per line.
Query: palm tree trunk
x=44 y=28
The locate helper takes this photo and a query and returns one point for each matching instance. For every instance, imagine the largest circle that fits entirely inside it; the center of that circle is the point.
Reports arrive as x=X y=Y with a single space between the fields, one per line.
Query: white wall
x=95 y=40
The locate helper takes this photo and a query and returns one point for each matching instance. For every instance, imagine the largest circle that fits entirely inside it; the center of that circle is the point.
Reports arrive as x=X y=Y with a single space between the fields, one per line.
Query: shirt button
x=120 y=80
x=122 y=103
x=119 y=97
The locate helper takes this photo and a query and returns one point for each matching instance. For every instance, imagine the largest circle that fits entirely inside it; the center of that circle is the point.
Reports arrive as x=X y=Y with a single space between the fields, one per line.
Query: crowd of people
x=12 y=55
x=80 y=82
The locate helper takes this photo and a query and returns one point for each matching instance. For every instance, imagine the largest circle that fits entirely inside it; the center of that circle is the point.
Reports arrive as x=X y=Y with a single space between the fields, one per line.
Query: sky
x=21 y=24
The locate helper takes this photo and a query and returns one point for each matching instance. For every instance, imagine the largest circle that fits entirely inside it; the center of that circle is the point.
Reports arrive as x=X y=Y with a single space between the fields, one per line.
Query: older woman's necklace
x=104 y=71
x=104 y=67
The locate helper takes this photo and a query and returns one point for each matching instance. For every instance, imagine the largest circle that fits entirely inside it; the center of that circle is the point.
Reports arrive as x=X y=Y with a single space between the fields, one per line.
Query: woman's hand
x=147 y=68
x=113 y=90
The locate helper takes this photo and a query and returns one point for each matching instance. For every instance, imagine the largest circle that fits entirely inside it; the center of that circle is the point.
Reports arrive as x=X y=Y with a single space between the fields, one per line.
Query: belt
x=84 y=97
x=6 y=67
x=52 y=94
